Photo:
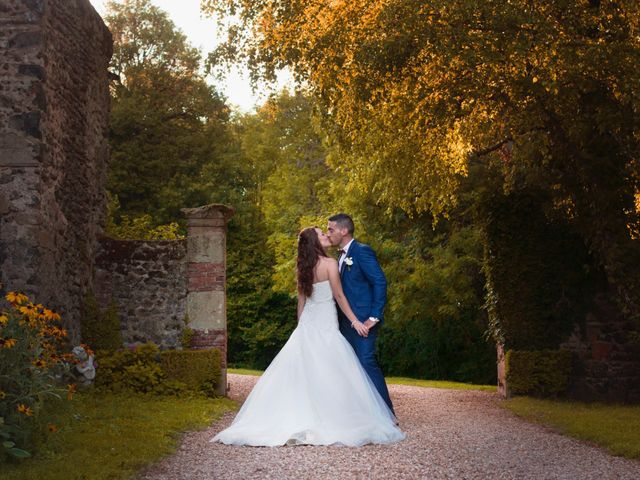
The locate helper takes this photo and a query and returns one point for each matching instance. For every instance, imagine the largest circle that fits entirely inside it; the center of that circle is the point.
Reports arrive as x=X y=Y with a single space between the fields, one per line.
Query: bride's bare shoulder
x=331 y=263
x=328 y=262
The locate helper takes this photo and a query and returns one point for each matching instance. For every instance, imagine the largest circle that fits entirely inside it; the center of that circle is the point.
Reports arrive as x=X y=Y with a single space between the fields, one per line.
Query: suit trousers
x=365 y=348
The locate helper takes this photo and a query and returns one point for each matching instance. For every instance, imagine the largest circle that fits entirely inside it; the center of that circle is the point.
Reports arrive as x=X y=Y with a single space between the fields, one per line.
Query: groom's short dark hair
x=344 y=221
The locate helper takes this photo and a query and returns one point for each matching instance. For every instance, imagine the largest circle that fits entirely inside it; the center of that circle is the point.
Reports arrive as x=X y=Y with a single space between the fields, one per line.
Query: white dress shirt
x=345 y=249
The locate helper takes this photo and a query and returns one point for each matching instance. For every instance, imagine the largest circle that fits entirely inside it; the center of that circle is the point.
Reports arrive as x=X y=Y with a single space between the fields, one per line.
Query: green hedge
x=198 y=369
x=539 y=373
x=145 y=369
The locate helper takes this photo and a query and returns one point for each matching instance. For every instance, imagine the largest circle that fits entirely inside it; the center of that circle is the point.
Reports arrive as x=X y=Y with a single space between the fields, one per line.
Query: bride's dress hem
x=315 y=392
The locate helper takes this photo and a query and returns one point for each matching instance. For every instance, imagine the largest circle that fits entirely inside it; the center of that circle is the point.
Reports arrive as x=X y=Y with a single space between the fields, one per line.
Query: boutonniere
x=348 y=261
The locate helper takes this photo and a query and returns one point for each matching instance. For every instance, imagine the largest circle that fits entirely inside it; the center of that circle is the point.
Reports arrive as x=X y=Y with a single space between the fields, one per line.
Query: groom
x=365 y=287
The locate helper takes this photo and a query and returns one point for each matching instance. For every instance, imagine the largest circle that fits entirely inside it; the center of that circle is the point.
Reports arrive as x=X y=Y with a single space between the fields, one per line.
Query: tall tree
x=170 y=146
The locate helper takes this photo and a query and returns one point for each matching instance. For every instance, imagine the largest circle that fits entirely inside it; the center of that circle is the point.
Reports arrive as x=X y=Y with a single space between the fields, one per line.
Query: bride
x=315 y=391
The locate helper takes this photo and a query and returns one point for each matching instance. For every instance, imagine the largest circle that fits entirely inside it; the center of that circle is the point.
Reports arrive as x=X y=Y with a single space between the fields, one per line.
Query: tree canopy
x=432 y=101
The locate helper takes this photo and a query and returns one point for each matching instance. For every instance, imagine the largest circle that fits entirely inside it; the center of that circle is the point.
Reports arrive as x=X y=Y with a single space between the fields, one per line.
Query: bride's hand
x=362 y=330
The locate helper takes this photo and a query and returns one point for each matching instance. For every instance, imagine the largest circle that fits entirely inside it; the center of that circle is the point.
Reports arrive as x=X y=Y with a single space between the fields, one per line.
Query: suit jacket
x=364 y=283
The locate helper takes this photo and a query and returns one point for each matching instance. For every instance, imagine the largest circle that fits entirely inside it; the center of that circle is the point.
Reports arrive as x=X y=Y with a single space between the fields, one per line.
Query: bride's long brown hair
x=309 y=251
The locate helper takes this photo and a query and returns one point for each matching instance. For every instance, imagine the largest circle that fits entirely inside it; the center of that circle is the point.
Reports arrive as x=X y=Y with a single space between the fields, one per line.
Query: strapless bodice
x=319 y=310
x=321 y=292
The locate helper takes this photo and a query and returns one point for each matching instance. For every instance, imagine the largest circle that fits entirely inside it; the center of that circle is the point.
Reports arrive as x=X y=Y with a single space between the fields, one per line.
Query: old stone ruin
x=54 y=113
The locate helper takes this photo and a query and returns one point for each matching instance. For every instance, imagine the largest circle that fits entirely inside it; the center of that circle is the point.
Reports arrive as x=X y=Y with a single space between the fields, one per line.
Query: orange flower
x=16 y=298
x=71 y=389
x=69 y=357
x=40 y=363
x=52 y=428
x=87 y=349
x=22 y=408
x=8 y=342
x=56 y=332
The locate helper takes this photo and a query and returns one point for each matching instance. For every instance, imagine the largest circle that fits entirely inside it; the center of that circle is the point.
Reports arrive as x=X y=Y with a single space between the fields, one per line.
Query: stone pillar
x=206 y=279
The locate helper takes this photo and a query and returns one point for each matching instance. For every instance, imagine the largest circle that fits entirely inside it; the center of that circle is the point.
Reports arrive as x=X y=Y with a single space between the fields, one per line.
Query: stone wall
x=54 y=110
x=607 y=359
x=148 y=282
x=156 y=284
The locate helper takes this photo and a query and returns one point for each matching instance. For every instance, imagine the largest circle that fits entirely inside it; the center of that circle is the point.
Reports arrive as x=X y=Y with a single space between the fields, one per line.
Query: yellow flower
x=50 y=315
x=8 y=342
x=22 y=408
x=2 y=395
x=71 y=389
x=28 y=310
x=55 y=332
x=40 y=363
x=4 y=320
x=16 y=298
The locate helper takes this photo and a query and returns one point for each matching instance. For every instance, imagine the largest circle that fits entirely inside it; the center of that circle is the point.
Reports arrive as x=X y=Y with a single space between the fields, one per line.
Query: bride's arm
x=343 y=303
x=301 y=301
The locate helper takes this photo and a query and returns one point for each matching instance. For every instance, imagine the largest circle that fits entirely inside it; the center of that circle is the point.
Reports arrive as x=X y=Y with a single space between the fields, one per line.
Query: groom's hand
x=360 y=328
x=369 y=324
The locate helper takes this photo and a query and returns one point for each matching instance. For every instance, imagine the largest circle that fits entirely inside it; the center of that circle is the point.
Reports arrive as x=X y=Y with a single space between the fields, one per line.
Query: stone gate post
x=206 y=279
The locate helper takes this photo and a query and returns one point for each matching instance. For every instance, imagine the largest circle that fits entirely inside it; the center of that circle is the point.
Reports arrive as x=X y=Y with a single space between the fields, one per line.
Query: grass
x=114 y=436
x=414 y=382
x=400 y=381
x=614 y=427
x=245 y=371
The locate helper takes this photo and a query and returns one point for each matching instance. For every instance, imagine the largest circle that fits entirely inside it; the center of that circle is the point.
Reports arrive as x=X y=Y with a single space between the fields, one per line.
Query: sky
x=202 y=33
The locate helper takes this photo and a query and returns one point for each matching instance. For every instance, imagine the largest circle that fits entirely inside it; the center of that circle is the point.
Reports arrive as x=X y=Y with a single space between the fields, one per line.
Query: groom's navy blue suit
x=365 y=287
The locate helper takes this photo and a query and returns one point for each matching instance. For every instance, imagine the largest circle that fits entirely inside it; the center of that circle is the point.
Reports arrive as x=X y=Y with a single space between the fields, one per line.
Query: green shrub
x=144 y=369
x=100 y=330
x=539 y=373
x=198 y=369
x=187 y=334
x=134 y=369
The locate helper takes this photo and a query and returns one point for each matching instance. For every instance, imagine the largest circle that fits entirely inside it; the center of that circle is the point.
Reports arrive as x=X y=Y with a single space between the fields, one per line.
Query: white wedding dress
x=315 y=392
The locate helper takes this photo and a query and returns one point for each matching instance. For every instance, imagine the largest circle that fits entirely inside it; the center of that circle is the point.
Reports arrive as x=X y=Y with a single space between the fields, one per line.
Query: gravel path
x=451 y=434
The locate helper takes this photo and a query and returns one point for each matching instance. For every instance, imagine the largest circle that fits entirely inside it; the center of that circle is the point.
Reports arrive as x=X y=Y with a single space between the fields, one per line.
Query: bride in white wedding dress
x=315 y=392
